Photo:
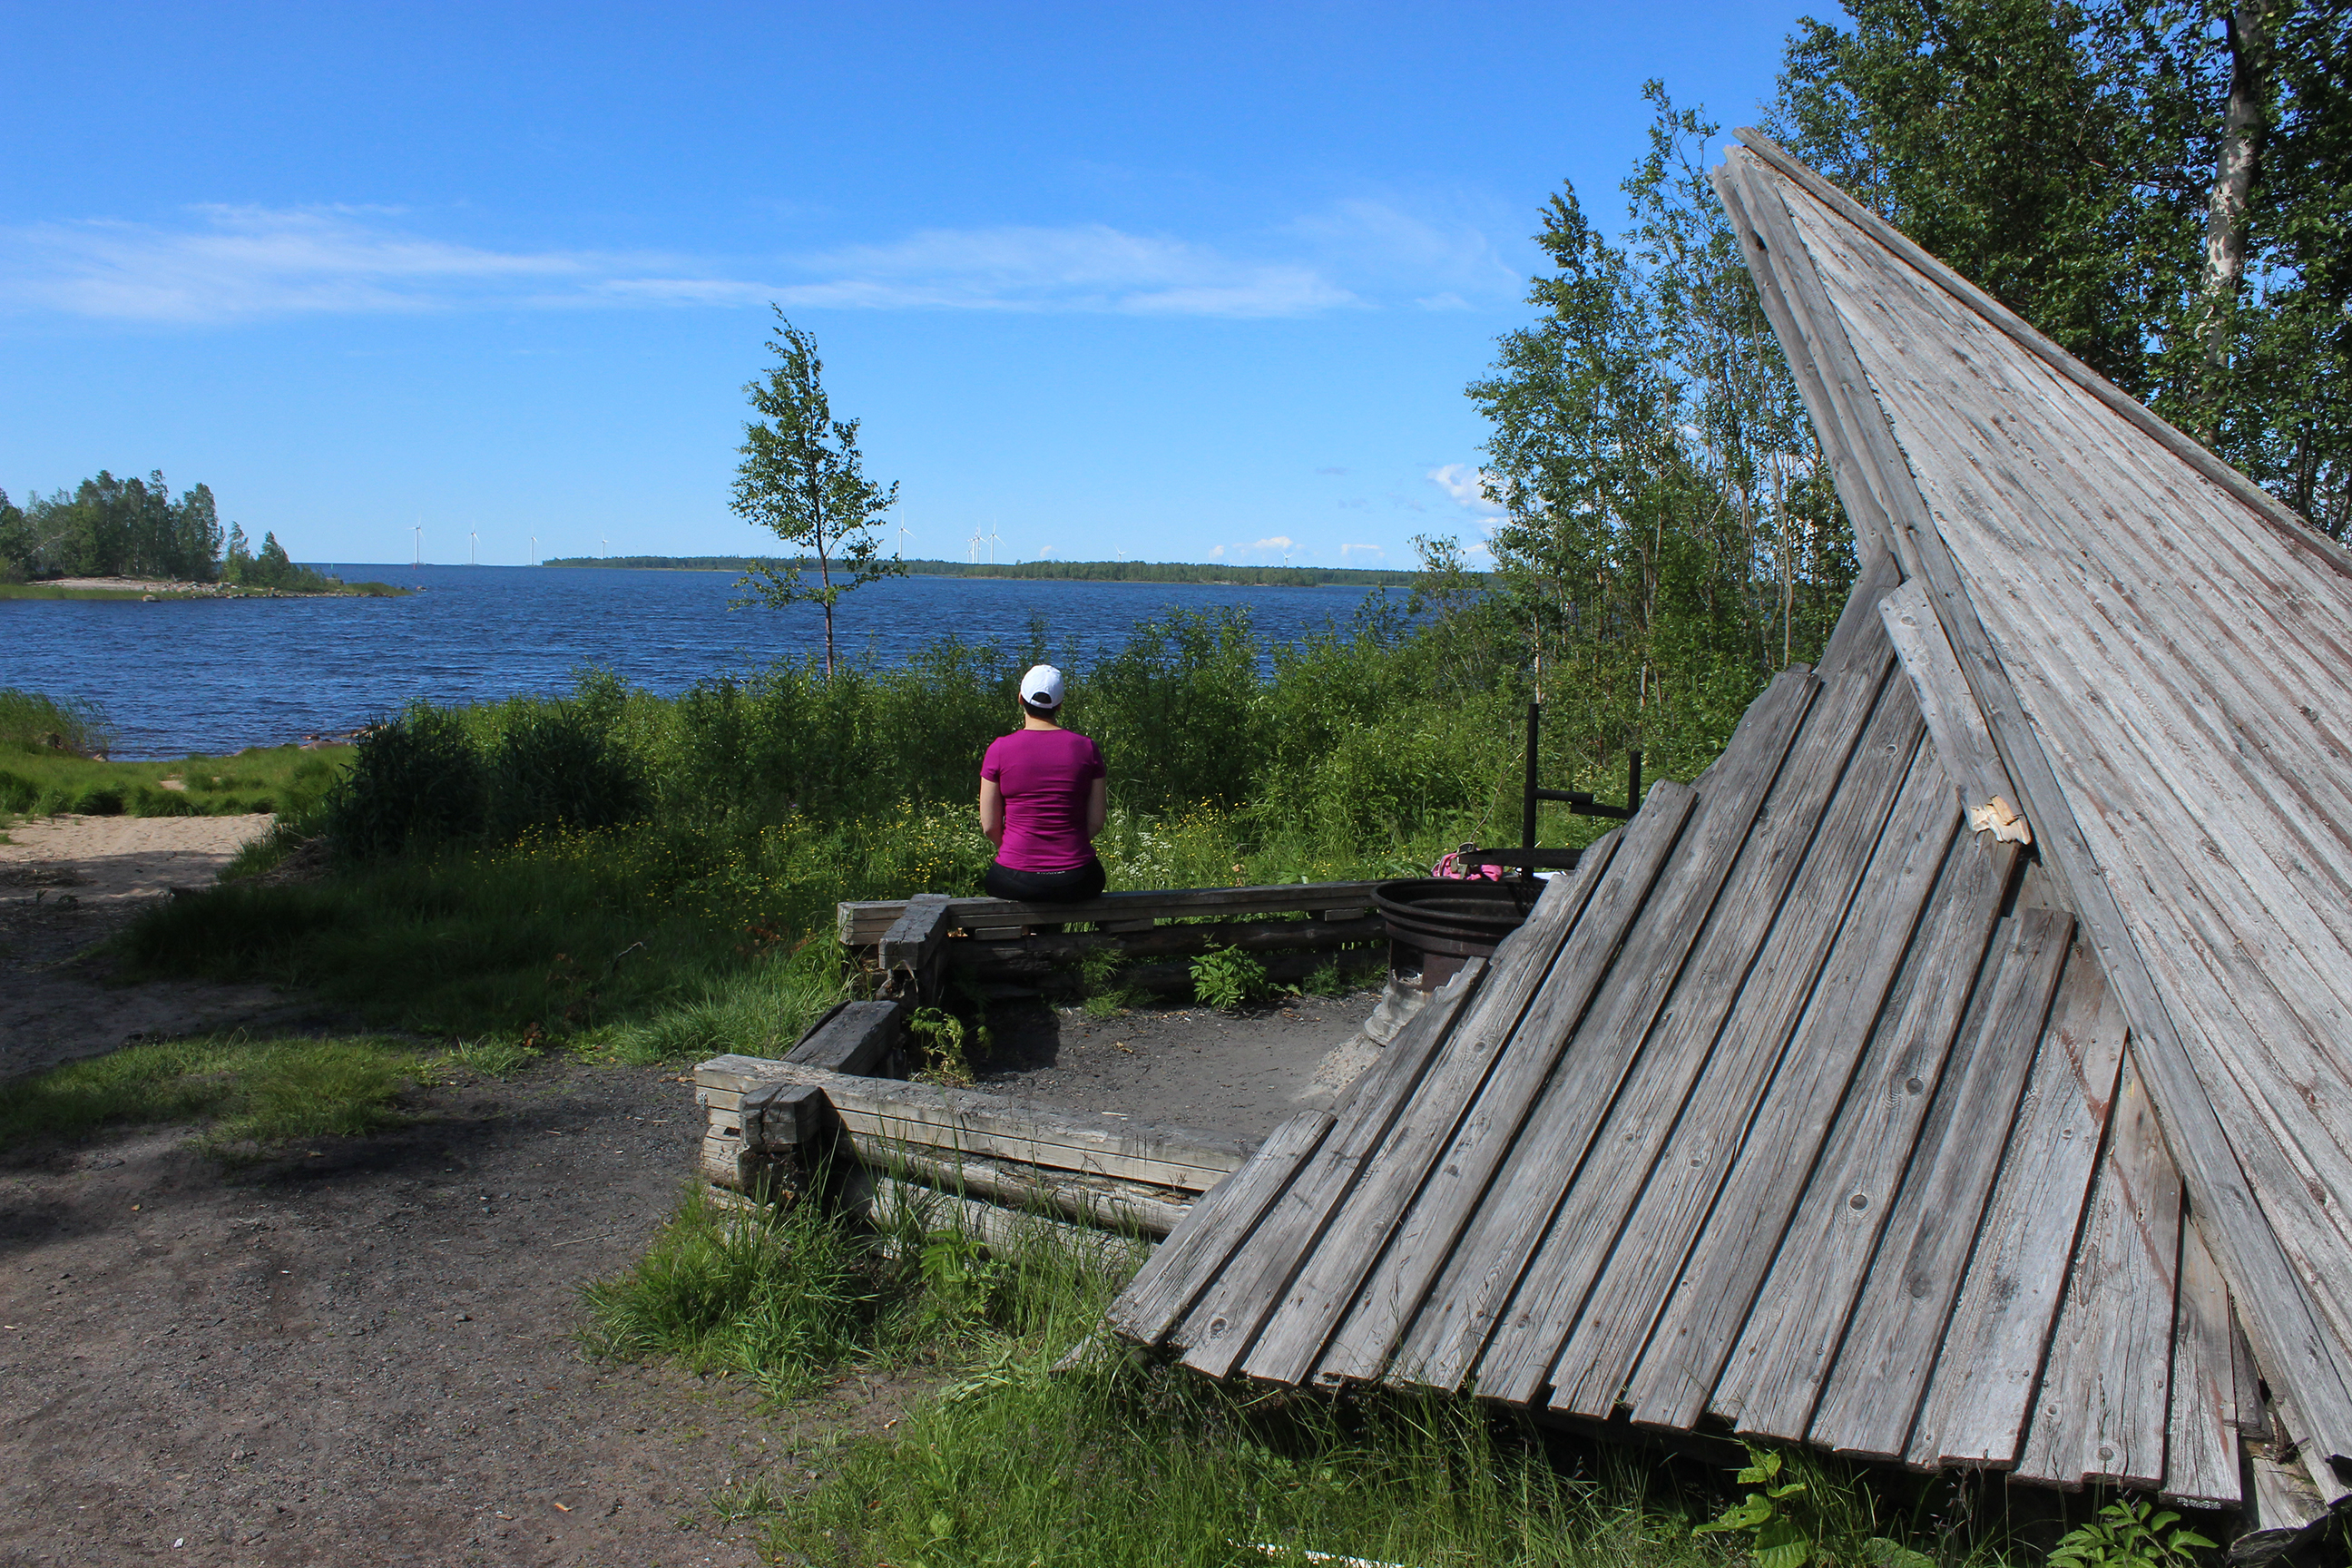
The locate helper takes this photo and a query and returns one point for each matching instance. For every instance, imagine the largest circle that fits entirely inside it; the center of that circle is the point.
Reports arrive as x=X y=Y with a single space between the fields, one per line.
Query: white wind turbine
x=992 y=541
x=473 y=543
x=974 y=553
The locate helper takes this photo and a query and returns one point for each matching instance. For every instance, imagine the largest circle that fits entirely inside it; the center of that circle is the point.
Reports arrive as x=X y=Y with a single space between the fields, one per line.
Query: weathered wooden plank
x=1219 y=1328
x=858 y=1038
x=1913 y=877
x=1582 y=1219
x=1772 y=1379
x=902 y=1208
x=2100 y=1414
x=2202 y=1464
x=2324 y=552
x=1828 y=376
x=2303 y=1354
x=1222 y=1220
x=864 y=923
x=1321 y=1287
x=965 y=1121
x=1945 y=700
x=1859 y=631
x=909 y=953
x=1976 y=1408
x=1527 y=1126
x=1893 y=785
x=1873 y=1390
x=2253 y=1410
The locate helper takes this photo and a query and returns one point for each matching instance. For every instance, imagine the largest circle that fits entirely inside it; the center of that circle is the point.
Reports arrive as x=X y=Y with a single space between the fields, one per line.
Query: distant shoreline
x=144 y=590
x=1208 y=573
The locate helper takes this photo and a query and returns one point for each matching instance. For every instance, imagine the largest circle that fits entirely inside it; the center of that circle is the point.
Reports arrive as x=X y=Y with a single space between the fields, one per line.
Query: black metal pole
x=1527 y=818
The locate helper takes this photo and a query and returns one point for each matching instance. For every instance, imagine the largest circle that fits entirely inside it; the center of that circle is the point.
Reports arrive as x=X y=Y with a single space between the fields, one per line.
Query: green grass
x=246 y=1094
x=266 y=779
x=1121 y=1459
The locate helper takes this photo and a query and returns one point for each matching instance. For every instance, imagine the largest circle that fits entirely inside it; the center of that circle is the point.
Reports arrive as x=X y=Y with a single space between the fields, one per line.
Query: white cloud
x=236 y=263
x=1374 y=551
x=1467 y=487
x=1279 y=542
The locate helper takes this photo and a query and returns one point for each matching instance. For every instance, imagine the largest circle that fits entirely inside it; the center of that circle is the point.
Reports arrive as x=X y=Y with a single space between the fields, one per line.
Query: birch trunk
x=2233 y=177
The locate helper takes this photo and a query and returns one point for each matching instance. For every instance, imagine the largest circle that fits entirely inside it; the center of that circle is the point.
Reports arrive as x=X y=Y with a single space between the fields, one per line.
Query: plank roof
x=1955 y=1072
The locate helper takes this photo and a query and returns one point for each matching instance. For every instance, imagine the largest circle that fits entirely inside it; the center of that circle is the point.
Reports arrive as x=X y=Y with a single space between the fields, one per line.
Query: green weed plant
x=1228 y=979
x=2132 y=1533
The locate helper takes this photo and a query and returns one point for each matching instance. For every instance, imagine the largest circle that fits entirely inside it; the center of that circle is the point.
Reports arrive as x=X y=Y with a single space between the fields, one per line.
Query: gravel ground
x=365 y=1354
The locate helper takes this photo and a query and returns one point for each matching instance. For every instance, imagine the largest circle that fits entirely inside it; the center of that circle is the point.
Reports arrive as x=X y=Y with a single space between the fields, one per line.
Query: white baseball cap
x=1042 y=686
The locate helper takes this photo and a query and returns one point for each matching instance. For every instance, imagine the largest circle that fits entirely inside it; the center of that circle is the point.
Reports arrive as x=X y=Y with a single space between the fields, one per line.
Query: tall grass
x=248 y=1092
x=1033 y=1447
x=30 y=723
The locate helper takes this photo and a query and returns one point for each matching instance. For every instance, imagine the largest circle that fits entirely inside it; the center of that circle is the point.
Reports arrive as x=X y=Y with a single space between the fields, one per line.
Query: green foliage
x=2130 y=1534
x=108 y=527
x=939 y=1035
x=774 y=1297
x=253 y=1095
x=417 y=779
x=1777 y=1520
x=802 y=479
x=1228 y=979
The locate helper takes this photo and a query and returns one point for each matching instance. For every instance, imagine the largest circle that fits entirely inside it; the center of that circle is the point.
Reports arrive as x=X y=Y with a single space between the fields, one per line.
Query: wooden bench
x=911 y=943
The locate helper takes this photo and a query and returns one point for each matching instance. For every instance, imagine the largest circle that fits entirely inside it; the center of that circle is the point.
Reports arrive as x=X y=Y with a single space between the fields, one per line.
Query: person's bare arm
x=1098 y=808
x=992 y=812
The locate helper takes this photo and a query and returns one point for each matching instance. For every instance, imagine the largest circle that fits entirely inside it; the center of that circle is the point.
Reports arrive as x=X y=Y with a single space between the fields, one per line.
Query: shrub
x=416 y=779
x=556 y=765
x=1226 y=978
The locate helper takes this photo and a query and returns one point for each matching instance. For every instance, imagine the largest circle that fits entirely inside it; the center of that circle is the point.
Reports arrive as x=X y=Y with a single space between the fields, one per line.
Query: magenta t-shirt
x=1047 y=778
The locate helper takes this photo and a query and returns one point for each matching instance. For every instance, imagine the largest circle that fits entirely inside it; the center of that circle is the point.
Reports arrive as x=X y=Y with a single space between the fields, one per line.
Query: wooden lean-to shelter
x=1959 y=1071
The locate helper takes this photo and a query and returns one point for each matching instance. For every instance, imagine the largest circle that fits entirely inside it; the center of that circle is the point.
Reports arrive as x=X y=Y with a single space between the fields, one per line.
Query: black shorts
x=1073 y=886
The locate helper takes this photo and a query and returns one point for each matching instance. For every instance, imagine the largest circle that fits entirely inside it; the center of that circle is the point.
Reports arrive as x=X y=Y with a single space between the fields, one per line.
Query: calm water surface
x=209 y=676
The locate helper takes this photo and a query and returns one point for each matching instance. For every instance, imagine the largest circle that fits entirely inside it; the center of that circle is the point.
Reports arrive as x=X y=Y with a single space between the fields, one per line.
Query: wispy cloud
x=1374 y=551
x=239 y=263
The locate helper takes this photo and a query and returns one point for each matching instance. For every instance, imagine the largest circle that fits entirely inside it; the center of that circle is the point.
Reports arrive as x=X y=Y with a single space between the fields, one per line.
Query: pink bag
x=1451 y=867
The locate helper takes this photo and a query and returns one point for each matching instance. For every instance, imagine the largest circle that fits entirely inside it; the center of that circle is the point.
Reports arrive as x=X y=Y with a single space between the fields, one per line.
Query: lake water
x=211 y=675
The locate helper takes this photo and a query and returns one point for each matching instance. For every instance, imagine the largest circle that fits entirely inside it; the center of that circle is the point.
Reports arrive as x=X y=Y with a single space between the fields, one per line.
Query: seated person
x=1042 y=798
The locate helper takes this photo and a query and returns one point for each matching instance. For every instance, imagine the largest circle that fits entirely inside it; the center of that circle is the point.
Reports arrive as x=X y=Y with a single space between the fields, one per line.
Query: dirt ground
x=366 y=1352
x=1240 y=1075
x=69 y=882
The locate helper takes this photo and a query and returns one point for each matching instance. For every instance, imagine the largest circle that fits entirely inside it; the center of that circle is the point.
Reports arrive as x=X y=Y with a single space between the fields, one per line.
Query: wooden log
x=863 y=925
x=1045 y=951
x=1976 y=1408
x=1131 y=1209
x=907 y=954
x=901 y=1208
x=1528 y=1124
x=1890 y=1343
x=858 y=1038
x=2100 y=1415
x=1905 y=887
x=953 y=1120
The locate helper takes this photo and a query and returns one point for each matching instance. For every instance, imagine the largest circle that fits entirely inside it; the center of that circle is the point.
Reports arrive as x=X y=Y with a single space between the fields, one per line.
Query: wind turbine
x=607 y=546
x=473 y=541
x=976 y=544
x=420 y=545
x=902 y=542
x=534 y=550
x=992 y=539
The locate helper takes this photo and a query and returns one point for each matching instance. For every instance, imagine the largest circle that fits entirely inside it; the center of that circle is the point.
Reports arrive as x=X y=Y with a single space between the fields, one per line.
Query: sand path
x=67 y=883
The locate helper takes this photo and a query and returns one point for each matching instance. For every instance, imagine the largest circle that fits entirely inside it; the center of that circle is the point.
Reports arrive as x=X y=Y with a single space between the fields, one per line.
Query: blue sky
x=1173 y=283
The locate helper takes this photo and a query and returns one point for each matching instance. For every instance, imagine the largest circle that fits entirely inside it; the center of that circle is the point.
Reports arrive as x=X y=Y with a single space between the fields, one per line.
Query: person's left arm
x=1098 y=808
x=992 y=811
